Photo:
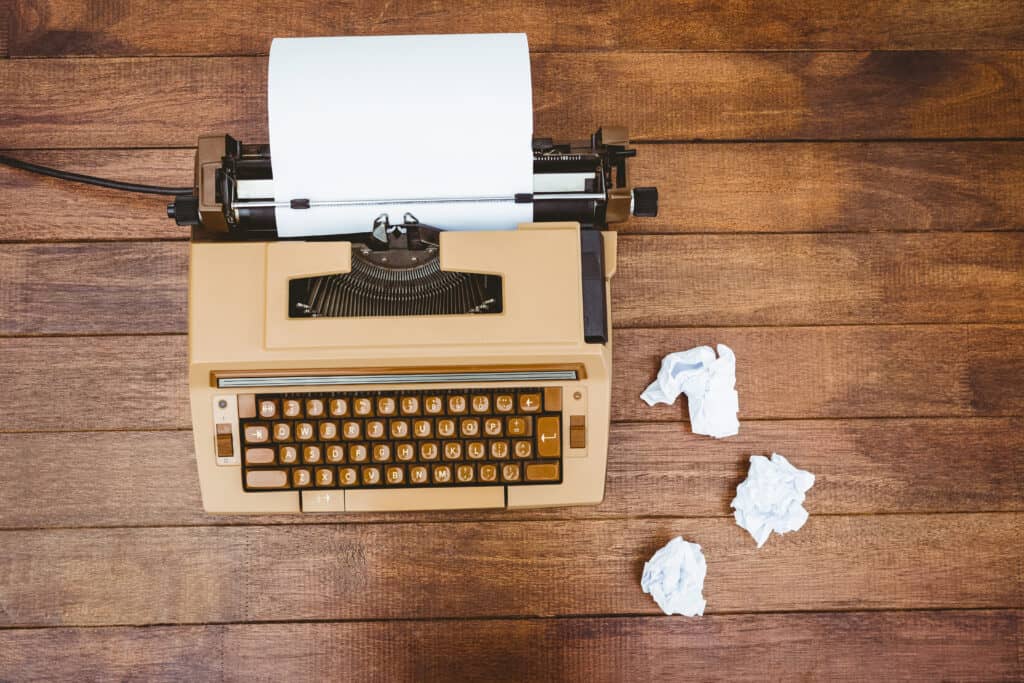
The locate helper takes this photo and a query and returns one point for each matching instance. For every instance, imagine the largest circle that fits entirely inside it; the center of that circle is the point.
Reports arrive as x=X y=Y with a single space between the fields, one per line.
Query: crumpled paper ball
x=709 y=384
x=771 y=497
x=674 y=577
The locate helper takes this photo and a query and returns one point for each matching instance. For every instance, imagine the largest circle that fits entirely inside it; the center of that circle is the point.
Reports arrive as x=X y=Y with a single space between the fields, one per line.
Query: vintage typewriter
x=404 y=368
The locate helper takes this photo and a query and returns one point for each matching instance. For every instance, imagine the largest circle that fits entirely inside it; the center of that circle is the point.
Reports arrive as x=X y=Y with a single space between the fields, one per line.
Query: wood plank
x=862 y=467
x=407 y=571
x=707 y=280
x=167 y=102
x=138 y=382
x=960 y=645
x=784 y=187
x=48 y=28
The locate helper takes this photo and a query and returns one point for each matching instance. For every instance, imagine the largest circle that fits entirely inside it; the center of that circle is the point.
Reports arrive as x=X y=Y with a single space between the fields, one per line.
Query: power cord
x=92 y=180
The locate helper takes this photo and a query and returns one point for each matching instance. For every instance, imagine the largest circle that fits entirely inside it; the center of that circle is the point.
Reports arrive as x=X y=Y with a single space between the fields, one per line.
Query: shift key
x=549 y=437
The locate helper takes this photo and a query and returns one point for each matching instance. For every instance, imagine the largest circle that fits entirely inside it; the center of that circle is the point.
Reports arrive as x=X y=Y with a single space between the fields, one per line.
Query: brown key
x=522 y=449
x=510 y=472
x=311 y=454
x=405 y=452
x=529 y=403
x=314 y=407
x=266 y=479
x=246 y=406
x=292 y=408
x=386 y=406
x=325 y=476
x=457 y=404
x=371 y=476
x=519 y=426
x=433 y=405
x=423 y=429
x=358 y=452
x=399 y=429
x=410 y=405
x=428 y=450
x=493 y=426
x=469 y=427
x=499 y=450
x=475 y=450
x=553 y=399
x=268 y=409
x=480 y=403
x=339 y=407
x=282 y=431
x=445 y=427
x=464 y=474
x=328 y=431
x=442 y=474
x=351 y=430
x=304 y=431
x=488 y=472
x=545 y=471
x=256 y=434
x=259 y=456
x=375 y=429
x=394 y=475
x=452 y=450
x=419 y=474
x=301 y=477
x=549 y=437
x=289 y=455
x=362 y=407
x=503 y=403
x=348 y=476
x=335 y=454
x=381 y=452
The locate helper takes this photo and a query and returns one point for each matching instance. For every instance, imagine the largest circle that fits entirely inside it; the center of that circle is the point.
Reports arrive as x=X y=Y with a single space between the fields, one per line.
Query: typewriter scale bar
x=397 y=378
x=407 y=439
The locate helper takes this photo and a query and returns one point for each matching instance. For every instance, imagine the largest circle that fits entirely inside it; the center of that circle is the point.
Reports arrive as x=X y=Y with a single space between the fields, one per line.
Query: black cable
x=92 y=180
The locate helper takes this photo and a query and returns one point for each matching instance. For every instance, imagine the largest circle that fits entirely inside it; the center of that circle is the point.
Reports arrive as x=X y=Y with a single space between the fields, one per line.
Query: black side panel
x=595 y=309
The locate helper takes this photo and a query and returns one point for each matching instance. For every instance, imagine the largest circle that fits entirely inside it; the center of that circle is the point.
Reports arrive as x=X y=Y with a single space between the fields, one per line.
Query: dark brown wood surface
x=842 y=203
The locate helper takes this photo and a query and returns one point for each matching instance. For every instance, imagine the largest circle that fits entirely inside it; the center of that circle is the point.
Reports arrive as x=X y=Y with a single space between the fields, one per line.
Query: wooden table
x=842 y=203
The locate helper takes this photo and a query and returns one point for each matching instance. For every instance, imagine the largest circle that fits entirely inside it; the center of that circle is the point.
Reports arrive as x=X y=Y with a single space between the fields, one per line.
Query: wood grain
x=745 y=187
x=706 y=280
x=403 y=571
x=959 y=645
x=48 y=28
x=139 y=382
x=862 y=467
x=168 y=102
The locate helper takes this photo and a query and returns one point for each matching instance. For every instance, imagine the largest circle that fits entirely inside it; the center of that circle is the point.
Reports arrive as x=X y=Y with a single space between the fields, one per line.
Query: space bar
x=425 y=499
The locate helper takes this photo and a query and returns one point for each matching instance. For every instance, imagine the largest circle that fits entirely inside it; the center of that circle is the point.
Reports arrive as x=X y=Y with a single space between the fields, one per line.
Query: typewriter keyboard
x=401 y=439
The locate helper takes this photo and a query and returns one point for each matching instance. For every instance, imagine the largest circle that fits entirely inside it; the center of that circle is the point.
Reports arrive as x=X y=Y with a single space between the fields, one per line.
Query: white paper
x=771 y=497
x=400 y=117
x=674 y=577
x=709 y=384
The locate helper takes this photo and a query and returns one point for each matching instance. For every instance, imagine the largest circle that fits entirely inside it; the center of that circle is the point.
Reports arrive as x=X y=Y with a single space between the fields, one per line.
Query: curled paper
x=771 y=497
x=709 y=384
x=674 y=577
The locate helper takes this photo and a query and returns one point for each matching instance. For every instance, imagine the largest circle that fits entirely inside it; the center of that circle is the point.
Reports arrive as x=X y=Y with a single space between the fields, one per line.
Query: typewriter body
x=405 y=368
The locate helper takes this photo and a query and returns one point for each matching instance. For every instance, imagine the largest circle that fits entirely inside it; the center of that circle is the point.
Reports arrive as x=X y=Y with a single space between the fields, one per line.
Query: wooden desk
x=843 y=195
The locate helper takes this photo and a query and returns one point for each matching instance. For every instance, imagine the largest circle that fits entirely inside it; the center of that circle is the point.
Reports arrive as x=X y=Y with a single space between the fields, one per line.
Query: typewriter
x=406 y=367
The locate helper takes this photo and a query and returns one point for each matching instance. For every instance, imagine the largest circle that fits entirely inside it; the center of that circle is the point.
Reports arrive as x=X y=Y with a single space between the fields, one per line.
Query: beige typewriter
x=405 y=368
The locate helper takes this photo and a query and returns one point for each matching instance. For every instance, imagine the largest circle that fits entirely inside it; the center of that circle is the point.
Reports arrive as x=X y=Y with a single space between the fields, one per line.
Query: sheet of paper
x=674 y=577
x=401 y=117
x=771 y=497
x=709 y=384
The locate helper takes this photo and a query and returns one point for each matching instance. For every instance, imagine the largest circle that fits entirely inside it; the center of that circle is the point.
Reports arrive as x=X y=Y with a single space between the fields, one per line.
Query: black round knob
x=645 y=202
x=184 y=209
